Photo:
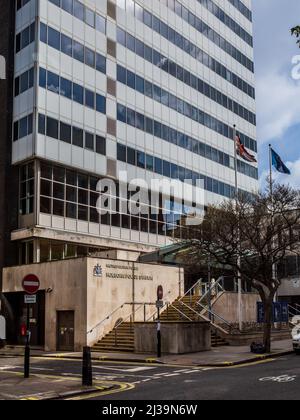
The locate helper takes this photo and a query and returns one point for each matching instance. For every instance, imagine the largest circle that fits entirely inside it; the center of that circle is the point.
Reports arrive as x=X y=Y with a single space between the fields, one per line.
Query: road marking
x=161 y=374
x=131 y=370
x=171 y=374
x=279 y=379
x=192 y=371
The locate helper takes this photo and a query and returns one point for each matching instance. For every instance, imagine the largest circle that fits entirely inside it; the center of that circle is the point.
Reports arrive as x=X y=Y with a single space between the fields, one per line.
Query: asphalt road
x=273 y=380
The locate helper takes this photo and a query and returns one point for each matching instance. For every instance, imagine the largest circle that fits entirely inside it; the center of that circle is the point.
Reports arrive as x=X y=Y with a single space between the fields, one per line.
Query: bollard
x=87 y=373
x=27 y=361
x=158 y=340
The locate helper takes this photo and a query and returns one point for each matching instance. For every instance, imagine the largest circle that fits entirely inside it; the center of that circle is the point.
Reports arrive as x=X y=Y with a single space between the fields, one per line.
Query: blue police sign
x=280 y=312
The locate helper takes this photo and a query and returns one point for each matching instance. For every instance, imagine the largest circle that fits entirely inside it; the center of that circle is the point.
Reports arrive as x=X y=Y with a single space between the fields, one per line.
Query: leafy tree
x=252 y=234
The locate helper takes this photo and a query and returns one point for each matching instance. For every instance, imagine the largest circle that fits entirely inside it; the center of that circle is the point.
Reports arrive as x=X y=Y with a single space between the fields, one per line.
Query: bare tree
x=296 y=31
x=252 y=234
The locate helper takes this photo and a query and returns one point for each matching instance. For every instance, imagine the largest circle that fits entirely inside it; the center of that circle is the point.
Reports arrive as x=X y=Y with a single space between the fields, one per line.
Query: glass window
x=89 y=17
x=100 y=24
x=89 y=141
x=89 y=99
x=66 y=88
x=43 y=78
x=100 y=104
x=78 y=51
x=52 y=128
x=67 y=5
x=53 y=38
x=66 y=45
x=53 y=82
x=77 y=137
x=65 y=132
x=78 y=10
x=42 y=124
x=43 y=33
x=23 y=127
x=90 y=57
x=101 y=145
x=78 y=93
x=100 y=63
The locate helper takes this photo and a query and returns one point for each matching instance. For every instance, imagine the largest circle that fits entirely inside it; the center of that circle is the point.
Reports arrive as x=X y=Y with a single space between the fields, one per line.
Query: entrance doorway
x=65 y=330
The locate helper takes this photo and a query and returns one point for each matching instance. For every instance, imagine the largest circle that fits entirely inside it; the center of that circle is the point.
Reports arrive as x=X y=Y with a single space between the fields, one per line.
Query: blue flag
x=278 y=164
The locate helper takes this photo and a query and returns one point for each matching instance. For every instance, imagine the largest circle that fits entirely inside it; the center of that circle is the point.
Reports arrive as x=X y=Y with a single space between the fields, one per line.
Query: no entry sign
x=31 y=284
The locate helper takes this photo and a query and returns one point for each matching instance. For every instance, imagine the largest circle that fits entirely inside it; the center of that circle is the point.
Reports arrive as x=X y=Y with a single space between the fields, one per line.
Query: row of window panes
x=160 y=95
x=83 y=13
x=155 y=58
x=116 y=220
x=226 y=19
x=26 y=194
x=170 y=170
x=23 y=127
x=90 y=214
x=24 y=82
x=64 y=184
x=208 y=32
x=137 y=120
x=72 y=48
x=179 y=41
x=21 y=3
x=54 y=251
x=72 y=91
x=25 y=37
x=69 y=134
x=242 y=8
x=68 y=177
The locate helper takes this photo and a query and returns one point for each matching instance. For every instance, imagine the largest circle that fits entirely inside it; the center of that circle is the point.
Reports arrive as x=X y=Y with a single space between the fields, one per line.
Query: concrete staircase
x=122 y=338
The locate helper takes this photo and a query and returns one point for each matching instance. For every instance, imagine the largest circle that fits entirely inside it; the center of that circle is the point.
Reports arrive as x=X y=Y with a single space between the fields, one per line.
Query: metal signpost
x=31 y=285
x=159 y=305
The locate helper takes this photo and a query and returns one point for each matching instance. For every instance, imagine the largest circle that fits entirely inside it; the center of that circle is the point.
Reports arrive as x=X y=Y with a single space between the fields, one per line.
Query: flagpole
x=271 y=171
x=274 y=270
x=240 y=318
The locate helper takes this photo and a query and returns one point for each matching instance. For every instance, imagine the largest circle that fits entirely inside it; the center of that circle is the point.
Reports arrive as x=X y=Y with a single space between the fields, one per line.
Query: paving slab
x=44 y=387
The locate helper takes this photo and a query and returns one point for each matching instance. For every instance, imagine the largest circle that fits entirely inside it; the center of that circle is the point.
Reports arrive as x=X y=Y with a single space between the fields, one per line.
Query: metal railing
x=215 y=286
x=193 y=291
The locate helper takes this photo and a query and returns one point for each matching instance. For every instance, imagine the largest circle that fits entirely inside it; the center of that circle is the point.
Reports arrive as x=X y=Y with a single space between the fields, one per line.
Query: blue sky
x=278 y=94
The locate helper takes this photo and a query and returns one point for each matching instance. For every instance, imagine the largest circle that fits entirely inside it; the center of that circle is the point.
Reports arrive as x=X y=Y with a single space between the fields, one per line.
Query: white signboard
x=2 y=328
x=30 y=299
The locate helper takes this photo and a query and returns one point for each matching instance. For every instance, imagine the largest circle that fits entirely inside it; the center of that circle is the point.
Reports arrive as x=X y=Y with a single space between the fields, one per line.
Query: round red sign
x=160 y=293
x=31 y=284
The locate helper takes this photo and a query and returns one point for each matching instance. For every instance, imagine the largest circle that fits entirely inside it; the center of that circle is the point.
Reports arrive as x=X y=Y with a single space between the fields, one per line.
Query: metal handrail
x=189 y=292
x=115 y=311
x=182 y=313
x=154 y=313
x=107 y=317
x=213 y=286
x=294 y=309
x=206 y=319
x=215 y=315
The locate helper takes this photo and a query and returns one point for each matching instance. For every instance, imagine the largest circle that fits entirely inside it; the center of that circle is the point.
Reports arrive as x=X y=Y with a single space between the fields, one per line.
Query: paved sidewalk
x=217 y=357
x=13 y=386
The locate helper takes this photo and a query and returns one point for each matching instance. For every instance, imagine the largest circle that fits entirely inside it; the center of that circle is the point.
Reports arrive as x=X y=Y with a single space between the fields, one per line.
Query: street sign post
x=31 y=285
x=159 y=305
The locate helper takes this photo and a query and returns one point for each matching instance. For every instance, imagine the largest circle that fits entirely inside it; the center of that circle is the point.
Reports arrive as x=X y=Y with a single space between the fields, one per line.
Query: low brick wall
x=176 y=337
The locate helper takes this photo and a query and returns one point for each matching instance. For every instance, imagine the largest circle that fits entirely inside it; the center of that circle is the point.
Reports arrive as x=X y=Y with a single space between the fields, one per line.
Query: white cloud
x=278 y=105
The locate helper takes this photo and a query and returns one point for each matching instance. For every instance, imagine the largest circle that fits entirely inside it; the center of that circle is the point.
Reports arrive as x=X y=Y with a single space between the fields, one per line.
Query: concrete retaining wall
x=177 y=337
